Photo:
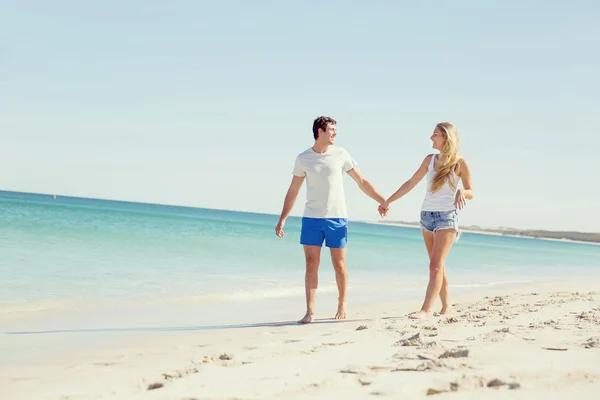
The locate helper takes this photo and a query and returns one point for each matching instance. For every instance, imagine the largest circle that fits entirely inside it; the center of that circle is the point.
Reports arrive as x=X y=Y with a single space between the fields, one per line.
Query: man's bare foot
x=307 y=318
x=419 y=315
x=341 y=312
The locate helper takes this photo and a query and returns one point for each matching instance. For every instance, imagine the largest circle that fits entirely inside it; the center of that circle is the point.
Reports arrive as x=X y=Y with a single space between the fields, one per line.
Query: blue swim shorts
x=433 y=221
x=334 y=231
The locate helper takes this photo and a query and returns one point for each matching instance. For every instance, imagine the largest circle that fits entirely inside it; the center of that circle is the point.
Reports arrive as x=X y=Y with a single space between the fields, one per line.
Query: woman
x=439 y=215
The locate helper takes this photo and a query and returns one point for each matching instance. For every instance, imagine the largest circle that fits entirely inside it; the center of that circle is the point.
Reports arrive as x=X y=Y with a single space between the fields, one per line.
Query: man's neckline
x=327 y=149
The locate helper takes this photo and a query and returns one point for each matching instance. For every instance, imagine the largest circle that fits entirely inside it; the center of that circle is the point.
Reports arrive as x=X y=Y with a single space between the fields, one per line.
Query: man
x=325 y=217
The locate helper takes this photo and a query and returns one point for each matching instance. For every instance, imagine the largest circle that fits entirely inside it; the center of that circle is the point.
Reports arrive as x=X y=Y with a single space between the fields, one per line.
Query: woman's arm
x=411 y=183
x=466 y=193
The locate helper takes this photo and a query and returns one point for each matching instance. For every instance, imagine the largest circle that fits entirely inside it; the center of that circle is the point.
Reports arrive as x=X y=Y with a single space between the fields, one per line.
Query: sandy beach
x=526 y=342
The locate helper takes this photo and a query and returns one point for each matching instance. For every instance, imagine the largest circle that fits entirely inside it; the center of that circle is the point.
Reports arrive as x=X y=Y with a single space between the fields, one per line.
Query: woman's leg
x=428 y=238
x=444 y=295
x=442 y=243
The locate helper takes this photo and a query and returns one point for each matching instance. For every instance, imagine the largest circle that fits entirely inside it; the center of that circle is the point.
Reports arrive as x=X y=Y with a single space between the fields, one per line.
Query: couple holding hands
x=325 y=217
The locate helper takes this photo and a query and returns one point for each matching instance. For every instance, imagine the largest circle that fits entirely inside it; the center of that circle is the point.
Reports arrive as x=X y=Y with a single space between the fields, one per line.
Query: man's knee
x=338 y=259
x=312 y=264
x=339 y=265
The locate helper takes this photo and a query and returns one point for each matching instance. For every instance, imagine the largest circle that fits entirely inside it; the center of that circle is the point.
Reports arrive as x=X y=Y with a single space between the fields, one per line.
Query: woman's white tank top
x=443 y=199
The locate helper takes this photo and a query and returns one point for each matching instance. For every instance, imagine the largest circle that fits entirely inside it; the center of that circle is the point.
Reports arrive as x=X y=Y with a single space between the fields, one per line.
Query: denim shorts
x=433 y=221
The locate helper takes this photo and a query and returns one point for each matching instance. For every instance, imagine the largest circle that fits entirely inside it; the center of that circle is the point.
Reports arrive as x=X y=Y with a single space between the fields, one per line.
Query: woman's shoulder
x=461 y=164
x=427 y=159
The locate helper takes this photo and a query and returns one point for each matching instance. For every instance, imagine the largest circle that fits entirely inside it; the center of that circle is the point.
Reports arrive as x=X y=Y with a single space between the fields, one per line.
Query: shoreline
x=486 y=232
x=359 y=296
x=531 y=335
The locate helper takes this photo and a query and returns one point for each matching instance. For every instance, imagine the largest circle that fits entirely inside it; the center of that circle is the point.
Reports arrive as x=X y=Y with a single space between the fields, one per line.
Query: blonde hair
x=448 y=158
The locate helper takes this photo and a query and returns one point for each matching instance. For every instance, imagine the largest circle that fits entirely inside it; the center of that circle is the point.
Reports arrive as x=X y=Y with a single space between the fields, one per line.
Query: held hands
x=459 y=200
x=383 y=209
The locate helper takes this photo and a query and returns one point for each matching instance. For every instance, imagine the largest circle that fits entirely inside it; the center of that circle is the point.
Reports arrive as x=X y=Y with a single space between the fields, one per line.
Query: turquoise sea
x=86 y=255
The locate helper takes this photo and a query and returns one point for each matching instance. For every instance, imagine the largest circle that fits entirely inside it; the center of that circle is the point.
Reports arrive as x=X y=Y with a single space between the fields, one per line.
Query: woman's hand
x=459 y=200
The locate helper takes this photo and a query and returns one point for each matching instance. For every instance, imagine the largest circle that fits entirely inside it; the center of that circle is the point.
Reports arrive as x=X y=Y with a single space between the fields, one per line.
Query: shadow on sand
x=186 y=328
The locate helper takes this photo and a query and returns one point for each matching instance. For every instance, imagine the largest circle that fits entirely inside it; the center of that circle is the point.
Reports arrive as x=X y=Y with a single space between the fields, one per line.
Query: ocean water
x=74 y=254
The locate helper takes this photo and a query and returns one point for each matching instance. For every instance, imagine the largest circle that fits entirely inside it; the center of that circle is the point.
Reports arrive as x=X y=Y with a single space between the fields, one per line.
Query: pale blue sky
x=208 y=103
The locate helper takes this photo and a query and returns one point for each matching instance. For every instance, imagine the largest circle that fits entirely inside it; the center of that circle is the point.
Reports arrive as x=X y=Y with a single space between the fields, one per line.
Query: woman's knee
x=436 y=268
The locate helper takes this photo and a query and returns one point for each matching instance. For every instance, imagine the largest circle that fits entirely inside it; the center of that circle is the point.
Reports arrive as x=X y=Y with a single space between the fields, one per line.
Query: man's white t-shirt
x=324 y=174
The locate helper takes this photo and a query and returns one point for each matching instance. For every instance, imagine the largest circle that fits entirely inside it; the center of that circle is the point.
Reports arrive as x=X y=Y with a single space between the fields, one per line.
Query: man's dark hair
x=322 y=123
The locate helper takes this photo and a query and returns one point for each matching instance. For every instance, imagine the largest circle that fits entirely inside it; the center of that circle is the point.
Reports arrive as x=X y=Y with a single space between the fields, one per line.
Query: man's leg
x=336 y=235
x=311 y=280
x=338 y=258
x=311 y=237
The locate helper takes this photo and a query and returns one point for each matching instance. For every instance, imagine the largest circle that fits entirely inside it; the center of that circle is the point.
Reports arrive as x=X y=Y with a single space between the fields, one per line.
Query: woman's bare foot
x=445 y=310
x=419 y=315
x=307 y=318
x=341 y=312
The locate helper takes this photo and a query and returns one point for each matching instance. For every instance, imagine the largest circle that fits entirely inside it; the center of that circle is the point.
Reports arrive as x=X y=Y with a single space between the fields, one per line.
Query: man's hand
x=279 y=228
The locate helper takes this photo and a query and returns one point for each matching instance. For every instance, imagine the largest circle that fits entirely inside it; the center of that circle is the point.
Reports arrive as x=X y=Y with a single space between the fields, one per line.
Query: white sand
x=541 y=342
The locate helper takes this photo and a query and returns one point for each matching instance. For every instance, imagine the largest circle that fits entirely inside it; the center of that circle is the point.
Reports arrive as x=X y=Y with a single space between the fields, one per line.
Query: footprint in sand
x=414 y=340
x=354 y=370
x=456 y=353
x=497 y=335
x=498 y=301
x=589 y=316
x=180 y=374
x=336 y=344
x=469 y=383
x=365 y=374
x=211 y=359
x=154 y=386
x=593 y=342
x=450 y=320
x=429 y=328
x=473 y=316
x=428 y=365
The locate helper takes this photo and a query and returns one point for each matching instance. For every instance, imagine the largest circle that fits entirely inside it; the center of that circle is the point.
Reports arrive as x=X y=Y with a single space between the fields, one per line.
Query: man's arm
x=288 y=203
x=365 y=185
